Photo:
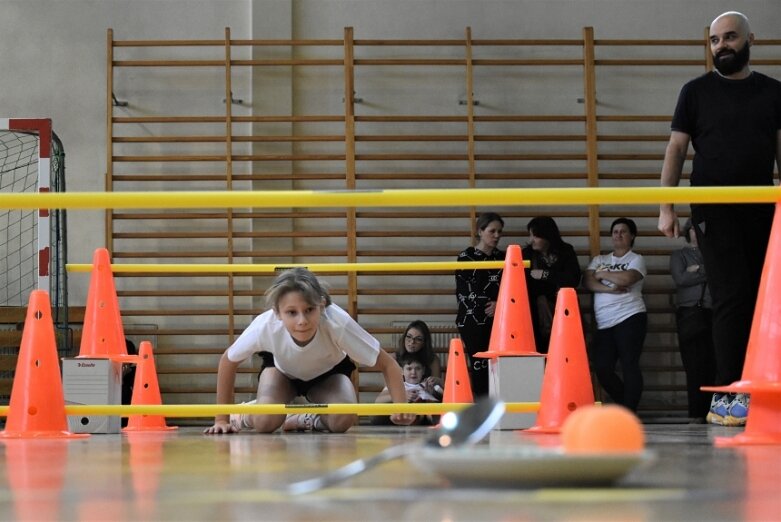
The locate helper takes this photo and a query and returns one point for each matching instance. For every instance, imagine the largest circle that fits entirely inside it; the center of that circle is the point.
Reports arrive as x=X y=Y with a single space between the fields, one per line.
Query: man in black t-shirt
x=732 y=116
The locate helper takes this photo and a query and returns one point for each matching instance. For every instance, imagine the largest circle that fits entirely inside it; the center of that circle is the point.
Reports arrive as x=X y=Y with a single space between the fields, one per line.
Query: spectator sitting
x=418 y=387
x=417 y=340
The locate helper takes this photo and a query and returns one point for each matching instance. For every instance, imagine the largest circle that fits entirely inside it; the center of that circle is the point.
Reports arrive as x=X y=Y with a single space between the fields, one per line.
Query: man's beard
x=728 y=61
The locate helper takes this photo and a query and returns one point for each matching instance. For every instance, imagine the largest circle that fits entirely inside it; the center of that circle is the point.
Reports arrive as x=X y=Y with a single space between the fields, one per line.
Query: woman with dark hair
x=477 y=291
x=417 y=340
x=553 y=265
x=617 y=282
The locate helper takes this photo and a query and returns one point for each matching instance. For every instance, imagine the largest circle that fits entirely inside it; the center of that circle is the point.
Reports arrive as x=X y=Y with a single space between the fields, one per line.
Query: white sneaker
x=240 y=421
x=303 y=422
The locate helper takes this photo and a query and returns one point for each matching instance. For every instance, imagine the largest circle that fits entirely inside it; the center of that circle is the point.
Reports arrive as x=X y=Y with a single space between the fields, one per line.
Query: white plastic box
x=516 y=379
x=92 y=381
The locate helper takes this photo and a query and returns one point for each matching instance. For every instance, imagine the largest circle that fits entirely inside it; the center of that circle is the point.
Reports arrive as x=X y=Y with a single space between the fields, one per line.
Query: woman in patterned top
x=477 y=291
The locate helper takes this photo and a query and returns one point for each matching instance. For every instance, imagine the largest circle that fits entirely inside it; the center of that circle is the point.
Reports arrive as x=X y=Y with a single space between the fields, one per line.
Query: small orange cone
x=457 y=385
x=762 y=369
x=103 y=336
x=512 y=333
x=37 y=406
x=566 y=384
x=146 y=391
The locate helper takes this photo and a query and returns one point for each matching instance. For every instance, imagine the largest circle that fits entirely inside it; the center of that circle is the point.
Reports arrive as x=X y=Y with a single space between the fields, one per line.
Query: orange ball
x=603 y=429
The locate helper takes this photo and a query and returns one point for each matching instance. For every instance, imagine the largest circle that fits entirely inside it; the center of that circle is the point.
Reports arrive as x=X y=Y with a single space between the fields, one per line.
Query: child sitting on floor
x=308 y=345
x=418 y=388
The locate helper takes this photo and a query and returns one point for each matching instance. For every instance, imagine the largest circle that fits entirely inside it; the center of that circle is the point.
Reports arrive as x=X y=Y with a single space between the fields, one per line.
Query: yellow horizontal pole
x=315 y=267
x=391 y=198
x=210 y=410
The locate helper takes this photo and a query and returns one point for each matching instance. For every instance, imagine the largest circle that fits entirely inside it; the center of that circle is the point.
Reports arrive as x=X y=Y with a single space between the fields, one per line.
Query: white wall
x=54 y=52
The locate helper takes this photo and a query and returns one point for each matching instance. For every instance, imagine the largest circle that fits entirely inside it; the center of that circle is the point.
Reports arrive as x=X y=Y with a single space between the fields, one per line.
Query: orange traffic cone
x=566 y=384
x=146 y=391
x=762 y=369
x=512 y=333
x=457 y=385
x=37 y=406
x=103 y=336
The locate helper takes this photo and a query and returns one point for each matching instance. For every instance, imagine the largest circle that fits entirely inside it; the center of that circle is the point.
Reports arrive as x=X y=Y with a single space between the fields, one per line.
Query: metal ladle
x=456 y=429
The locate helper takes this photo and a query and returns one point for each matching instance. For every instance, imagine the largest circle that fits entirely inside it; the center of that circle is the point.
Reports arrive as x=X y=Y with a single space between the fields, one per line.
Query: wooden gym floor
x=184 y=475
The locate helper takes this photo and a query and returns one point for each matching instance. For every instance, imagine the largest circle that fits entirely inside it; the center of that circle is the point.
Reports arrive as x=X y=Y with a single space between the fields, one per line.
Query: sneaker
x=738 y=411
x=303 y=422
x=719 y=408
x=240 y=421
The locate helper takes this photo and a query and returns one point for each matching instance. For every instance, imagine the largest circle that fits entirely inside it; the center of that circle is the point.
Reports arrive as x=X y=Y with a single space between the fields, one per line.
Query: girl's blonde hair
x=297 y=280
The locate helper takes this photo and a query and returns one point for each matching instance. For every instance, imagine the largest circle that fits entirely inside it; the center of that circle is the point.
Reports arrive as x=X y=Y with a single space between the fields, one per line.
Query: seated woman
x=417 y=340
x=617 y=282
x=418 y=386
x=553 y=265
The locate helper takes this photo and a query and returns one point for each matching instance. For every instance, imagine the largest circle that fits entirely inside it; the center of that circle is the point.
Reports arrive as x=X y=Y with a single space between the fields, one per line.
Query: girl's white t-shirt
x=612 y=309
x=337 y=335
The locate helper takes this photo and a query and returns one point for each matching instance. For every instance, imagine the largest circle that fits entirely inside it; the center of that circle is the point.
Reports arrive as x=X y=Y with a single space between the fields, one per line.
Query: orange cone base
x=745 y=387
x=147 y=423
x=553 y=429
x=42 y=435
x=496 y=355
x=763 y=425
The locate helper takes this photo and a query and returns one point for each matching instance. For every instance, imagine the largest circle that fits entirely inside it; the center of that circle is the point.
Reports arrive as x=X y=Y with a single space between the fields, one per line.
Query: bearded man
x=732 y=116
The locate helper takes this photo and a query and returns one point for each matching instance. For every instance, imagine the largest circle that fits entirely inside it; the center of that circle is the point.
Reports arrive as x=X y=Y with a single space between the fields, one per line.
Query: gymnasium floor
x=184 y=475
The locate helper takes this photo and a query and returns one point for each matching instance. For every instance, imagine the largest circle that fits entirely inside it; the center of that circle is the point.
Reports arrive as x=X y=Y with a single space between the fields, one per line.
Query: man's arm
x=674 y=157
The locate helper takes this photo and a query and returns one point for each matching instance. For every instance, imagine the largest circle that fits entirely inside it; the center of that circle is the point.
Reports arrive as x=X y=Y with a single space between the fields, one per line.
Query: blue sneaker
x=738 y=411
x=719 y=408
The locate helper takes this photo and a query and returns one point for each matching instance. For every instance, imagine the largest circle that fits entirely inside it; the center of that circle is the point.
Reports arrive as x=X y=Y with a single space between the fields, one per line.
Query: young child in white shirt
x=308 y=345
x=418 y=386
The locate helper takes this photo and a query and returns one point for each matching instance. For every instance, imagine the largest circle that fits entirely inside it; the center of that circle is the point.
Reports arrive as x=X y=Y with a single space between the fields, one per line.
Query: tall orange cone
x=762 y=369
x=146 y=391
x=512 y=333
x=37 y=406
x=457 y=385
x=566 y=384
x=103 y=336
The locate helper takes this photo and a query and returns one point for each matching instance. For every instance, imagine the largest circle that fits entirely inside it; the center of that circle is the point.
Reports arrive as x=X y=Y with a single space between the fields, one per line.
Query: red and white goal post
x=25 y=166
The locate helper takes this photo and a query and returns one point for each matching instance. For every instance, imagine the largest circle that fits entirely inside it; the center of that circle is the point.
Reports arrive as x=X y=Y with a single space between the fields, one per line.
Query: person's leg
x=336 y=389
x=733 y=247
x=476 y=339
x=273 y=388
x=704 y=371
x=629 y=337
x=604 y=359
x=688 y=350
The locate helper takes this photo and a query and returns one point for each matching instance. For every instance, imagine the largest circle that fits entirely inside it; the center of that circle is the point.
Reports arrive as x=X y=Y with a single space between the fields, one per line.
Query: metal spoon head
x=468 y=426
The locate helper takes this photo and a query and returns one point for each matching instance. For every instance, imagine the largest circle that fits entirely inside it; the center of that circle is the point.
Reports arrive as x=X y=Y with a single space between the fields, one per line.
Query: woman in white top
x=617 y=282
x=308 y=345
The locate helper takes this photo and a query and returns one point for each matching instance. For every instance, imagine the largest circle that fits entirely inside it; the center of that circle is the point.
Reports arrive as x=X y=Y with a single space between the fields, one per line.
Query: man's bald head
x=739 y=22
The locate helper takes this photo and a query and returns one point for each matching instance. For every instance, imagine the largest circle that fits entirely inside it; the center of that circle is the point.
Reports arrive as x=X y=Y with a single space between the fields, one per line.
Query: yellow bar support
x=210 y=410
x=315 y=267
x=392 y=198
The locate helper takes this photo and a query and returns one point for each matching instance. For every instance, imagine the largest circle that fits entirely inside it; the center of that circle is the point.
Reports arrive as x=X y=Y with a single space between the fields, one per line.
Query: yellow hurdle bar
x=210 y=410
x=390 y=198
x=444 y=266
